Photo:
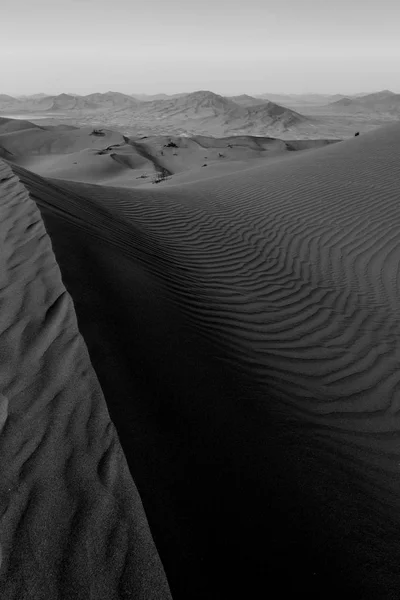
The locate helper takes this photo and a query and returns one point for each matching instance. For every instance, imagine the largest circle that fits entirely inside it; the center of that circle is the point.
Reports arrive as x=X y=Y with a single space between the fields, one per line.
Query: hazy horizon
x=272 y=92
x=252 y=47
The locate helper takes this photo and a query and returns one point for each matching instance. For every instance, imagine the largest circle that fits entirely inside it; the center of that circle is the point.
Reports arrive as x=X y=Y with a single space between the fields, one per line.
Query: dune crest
x=72 y=522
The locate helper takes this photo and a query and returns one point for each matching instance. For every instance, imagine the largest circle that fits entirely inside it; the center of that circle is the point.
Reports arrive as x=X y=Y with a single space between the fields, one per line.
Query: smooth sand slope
x=72 y=523
x=245 y=332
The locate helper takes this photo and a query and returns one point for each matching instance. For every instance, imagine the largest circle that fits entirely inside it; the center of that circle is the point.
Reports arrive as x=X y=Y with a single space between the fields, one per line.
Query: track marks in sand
x=72 y=523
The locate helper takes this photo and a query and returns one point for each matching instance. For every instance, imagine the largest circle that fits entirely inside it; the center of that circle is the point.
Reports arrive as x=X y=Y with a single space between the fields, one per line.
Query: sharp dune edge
x=244 y=330
x=72 y=523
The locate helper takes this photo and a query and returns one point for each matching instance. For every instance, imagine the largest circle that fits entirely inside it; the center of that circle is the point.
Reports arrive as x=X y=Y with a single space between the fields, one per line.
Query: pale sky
x=227 y=46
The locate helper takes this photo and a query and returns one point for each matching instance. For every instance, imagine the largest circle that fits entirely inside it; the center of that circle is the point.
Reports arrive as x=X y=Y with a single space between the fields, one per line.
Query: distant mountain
x=31 y=96
x=245 y=100
x=6 y=98
x=61 y=102
x=336 y=97
x=293 y=100
x=206 y=112
x=202 y=112
x=386 y=98
x=6 y=101
x=360 y=94
x=68 y=102
x=151 y=97
x=346 y=101
x=111 y=100
x=384 y=101
x=202 y=100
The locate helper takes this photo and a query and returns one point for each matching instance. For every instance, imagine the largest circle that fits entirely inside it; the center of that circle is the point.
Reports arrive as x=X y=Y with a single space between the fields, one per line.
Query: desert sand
x=72 y=522
x=110 y=158
x=241 y=332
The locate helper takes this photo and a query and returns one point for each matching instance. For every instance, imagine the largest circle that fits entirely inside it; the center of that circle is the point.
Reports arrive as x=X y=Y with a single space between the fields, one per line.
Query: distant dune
x=108 y=157
x=12 y=125
x=244 y=330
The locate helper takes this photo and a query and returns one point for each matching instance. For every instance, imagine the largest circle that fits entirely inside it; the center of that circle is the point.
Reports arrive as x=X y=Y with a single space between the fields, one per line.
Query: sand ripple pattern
x=291 y=271
x=291 y=268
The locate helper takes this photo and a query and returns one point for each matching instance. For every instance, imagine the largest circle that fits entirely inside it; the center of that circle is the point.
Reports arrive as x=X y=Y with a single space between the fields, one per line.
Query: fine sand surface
x=245 y=333
x=244 y=330
x=72 y=522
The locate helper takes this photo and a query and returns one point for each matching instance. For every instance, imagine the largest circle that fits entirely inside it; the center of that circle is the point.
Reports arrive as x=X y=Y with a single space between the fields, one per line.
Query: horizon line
x=255 y=94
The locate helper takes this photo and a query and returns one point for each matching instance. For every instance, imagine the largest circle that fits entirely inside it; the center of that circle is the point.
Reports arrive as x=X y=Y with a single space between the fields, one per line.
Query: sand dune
x=11 y=125
x=72 y=523
x=76 y=154
x=244 y=330
x=41 y=141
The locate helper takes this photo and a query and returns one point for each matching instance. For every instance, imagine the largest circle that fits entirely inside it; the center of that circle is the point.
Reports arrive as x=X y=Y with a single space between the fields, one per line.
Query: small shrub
x=161 y=176
x=97 y=132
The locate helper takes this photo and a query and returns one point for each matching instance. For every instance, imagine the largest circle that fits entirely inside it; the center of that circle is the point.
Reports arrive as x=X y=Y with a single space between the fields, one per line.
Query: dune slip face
x=72 y=522
x=245 y=332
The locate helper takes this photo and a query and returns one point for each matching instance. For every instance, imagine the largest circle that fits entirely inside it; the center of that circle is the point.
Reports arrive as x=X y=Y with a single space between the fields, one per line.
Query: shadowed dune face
x=72 y=523
x=42 y=141
x=9 y=125
x=245 y=334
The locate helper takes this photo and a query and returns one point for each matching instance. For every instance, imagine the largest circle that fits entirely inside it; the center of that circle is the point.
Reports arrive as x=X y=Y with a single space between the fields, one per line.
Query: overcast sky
x=227 y=46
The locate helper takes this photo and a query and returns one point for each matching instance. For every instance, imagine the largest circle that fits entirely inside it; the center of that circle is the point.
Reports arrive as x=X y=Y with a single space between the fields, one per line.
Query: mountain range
x=201 y=112
x=207 y=113
x=384 y=101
